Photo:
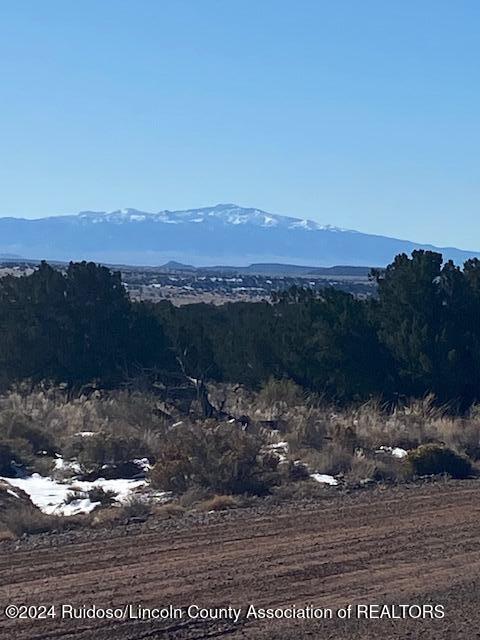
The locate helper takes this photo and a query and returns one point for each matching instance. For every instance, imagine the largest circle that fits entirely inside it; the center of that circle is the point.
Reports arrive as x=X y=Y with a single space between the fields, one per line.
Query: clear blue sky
x=363 y=114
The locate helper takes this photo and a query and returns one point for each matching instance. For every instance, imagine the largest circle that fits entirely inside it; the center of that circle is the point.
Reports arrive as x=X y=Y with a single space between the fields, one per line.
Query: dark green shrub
x=105 y=498
x=295 y=471
x=15 y=451
x=72 y=496
x=430 y=459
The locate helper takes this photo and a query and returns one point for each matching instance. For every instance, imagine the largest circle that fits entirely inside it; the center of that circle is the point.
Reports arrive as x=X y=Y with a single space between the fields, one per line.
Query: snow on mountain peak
x=227 y=214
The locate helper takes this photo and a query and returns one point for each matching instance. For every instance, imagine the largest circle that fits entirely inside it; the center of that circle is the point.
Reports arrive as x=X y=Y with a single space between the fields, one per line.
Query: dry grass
x=106 y=518
x=219 y=503
x=6 y=535
x=132 y=425
x=194 y=495
x=27 y=519
x=305 y=490
x=361 y=469
x=332 y=459
x=169 y=510
x=136 y=508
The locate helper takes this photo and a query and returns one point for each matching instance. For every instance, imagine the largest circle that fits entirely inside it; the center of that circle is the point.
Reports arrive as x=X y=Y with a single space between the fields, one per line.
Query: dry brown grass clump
x=169 y=510
x=332 y=459
x=277 y=395
x=106 y=518
x=305 y=490
x=136 y=508
x=49 y=420
x=26 y=519
x=6 y=535
x=219 y=503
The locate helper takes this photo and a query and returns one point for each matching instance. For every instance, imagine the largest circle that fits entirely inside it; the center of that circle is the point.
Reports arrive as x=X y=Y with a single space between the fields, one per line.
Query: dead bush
x=223 y=459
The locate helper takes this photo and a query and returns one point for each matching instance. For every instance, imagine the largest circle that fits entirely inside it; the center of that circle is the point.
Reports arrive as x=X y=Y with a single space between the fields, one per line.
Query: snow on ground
x=324 y=478
x=280 y=449
x=396 y=452
x=49 y=495
x=65 y=465
x=143 y=464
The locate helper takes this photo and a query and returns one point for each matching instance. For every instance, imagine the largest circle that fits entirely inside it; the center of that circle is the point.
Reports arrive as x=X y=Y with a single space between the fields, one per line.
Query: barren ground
x=413 y=544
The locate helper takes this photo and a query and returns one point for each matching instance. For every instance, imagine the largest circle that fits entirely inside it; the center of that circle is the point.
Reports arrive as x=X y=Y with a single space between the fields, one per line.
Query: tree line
x=420 y=334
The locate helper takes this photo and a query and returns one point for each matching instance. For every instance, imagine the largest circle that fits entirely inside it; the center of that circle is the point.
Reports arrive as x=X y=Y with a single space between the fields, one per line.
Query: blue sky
x=360 y=114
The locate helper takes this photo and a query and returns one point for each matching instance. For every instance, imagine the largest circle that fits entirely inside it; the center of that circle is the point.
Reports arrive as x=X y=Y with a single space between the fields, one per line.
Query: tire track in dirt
x=372 y=547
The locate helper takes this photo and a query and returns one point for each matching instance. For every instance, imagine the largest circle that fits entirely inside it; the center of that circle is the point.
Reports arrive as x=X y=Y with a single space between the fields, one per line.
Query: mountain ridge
x=221 y=234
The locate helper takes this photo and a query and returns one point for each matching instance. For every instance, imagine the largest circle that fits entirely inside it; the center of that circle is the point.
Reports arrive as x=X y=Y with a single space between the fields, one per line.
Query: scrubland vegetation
x=275 y=451
x=216 y=407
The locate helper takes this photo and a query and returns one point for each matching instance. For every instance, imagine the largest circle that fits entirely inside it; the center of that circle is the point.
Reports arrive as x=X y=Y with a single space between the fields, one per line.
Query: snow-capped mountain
x=223 y=234
x=227 y=214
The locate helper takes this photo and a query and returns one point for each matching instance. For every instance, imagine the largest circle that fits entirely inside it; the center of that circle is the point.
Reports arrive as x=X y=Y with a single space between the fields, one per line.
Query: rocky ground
x=414 y=544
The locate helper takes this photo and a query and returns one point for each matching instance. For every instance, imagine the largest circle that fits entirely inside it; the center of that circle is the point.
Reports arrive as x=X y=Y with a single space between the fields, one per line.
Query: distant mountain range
x=224 y=234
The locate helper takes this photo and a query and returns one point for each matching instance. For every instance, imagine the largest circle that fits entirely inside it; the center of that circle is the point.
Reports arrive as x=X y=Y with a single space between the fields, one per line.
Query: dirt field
x=409 y=545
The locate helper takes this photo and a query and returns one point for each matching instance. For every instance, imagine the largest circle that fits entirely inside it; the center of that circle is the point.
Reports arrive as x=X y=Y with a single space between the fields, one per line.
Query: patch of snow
x=278 y=445
x=49 y=495
x=143 y=463
x=396 y=452
x=280 y=449
x=64 y=465
x=303 y=224
x=269 y=221
x=324 y=478
x=44 y=492
x=86 y=434
x=73 y=508
x=122 y=487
